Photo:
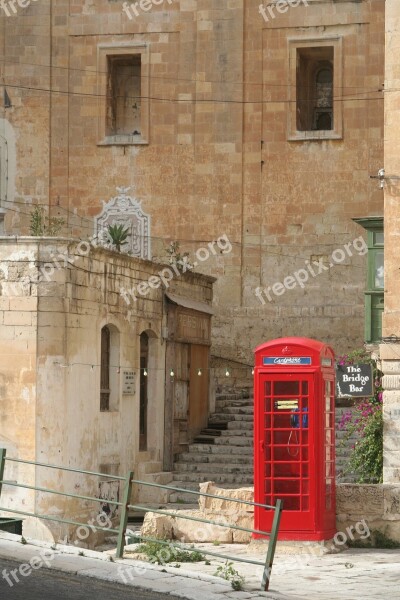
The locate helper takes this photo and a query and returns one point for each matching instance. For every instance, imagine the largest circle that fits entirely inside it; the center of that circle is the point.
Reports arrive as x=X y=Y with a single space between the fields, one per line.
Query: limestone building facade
x=390 y=349
x=83 y=382
x=257 y=124
x=221 y=121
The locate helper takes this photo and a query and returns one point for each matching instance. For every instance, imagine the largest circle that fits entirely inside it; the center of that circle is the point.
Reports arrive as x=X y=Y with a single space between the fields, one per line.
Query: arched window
x=109 y=368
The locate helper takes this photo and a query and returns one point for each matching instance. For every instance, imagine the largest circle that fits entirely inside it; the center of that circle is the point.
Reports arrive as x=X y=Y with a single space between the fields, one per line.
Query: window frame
x=372 y=225
x=3 y=170
x=104 y=52
x=294 y=44
x=105 y=368
x=113 y=365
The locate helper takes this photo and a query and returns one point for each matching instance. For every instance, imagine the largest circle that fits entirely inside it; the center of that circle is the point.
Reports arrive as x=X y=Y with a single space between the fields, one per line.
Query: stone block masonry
x=216 y=152
x=50 y=351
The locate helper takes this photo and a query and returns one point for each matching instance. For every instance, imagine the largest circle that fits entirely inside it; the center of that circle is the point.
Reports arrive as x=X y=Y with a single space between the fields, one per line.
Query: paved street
x=63 y=586
x=350 y=575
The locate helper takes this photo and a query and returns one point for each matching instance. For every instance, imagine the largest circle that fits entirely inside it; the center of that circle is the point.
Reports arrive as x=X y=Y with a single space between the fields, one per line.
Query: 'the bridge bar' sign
x=354 y=381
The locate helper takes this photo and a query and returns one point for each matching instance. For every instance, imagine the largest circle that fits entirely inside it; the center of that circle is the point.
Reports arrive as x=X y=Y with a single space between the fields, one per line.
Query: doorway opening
x=144 y=365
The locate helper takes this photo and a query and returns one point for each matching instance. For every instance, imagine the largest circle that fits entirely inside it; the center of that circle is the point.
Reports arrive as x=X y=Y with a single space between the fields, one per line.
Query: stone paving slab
x=350 y=575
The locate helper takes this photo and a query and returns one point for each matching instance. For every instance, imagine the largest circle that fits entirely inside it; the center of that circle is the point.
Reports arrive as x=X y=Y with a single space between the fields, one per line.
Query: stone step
x=137 y=515
x=231 y=478
x=231 y=396
x=226 y=417
x=232 y=440
x=224 y=404
x=218 y=449
x=148 y=467
x=242 y=425
x=153 y=494
x=204 y=439
x=220 y=469
x=217 y=424
x=208 y=431
x=237 y=432
x=240 y=410
x=185 y=498
x=221 y=458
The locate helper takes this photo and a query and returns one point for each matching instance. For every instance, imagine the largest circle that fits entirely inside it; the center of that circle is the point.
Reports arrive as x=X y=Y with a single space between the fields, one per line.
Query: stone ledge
x=378 y=505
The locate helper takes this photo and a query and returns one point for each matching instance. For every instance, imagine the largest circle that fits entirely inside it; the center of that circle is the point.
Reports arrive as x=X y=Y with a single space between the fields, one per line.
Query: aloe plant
x=118 y=235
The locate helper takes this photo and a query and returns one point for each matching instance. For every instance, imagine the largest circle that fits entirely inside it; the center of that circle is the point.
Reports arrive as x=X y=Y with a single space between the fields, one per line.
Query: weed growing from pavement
x=162 y=553
x=230 y=574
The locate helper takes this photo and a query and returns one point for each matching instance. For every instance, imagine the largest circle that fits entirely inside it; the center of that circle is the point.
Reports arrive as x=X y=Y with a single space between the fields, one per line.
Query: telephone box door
x=283 y=461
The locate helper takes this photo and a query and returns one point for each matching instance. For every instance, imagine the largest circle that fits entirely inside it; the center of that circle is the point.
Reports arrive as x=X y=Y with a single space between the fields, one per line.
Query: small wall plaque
x=128 y=384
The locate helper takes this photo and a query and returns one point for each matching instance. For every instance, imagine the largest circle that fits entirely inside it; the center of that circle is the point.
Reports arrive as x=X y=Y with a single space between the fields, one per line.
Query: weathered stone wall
x=378 y=505
x=221 y=511
x=218 y=158
x=390 y=352
x=18 y=360
x=50 y=372
x=359 y=508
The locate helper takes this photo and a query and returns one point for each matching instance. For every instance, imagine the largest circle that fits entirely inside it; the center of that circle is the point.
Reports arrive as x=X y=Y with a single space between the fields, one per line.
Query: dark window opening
x=105 y=369
x=144 y=359
x=314 y=93
x=124 y=95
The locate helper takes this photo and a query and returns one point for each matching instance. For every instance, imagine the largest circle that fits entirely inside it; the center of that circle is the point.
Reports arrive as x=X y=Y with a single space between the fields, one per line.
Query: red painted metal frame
x=304 y=481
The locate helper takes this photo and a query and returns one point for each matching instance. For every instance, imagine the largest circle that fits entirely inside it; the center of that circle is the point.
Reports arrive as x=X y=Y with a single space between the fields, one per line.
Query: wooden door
x=198 y=389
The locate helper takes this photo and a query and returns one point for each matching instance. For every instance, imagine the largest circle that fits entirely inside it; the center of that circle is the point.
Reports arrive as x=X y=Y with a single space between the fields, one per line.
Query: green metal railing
x=125 y=507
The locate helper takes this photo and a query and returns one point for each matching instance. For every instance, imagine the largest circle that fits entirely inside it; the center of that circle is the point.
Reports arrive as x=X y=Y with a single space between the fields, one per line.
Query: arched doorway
x=144 y=365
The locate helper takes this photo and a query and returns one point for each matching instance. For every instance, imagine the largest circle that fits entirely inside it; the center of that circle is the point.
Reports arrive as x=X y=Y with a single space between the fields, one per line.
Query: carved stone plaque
x=126 y=210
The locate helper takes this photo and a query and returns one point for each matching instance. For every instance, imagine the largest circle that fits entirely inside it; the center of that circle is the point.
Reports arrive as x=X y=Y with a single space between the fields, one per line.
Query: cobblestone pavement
x=349 y=575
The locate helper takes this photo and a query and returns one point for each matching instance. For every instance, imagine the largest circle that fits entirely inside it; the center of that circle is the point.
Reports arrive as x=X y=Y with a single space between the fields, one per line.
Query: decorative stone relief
x=126 y=210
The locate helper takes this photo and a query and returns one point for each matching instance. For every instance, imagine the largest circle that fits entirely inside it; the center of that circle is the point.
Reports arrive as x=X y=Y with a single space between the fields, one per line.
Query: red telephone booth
x=294 y=437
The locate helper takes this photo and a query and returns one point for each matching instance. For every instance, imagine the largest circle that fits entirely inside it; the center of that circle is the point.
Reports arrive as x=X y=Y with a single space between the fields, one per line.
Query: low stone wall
x=377 y=505
x=212 y=509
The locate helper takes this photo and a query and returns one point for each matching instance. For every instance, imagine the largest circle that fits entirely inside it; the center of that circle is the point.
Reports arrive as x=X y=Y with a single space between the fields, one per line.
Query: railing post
x=124 y=515
x=271 y=546
x=2 y=464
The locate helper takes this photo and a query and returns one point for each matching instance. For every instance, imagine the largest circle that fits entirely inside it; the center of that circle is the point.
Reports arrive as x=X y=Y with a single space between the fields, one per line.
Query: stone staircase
x=150 y=470
x=223 y=452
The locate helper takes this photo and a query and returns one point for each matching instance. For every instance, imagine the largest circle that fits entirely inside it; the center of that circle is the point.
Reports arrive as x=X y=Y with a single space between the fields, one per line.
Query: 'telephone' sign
x=287 y=360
